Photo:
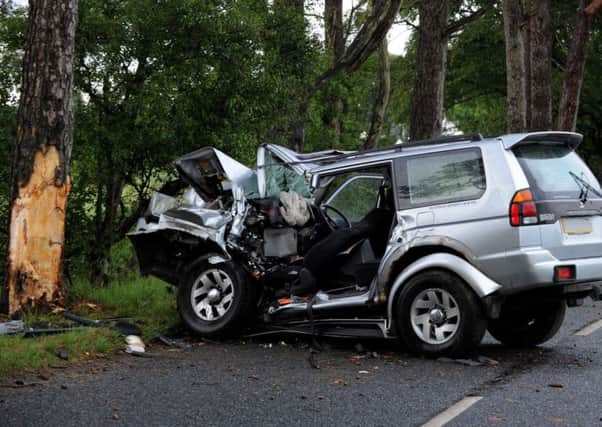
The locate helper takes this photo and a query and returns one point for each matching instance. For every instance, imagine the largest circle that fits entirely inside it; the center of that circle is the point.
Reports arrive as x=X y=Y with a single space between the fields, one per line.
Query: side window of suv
x=356 y=196
x=439 y=178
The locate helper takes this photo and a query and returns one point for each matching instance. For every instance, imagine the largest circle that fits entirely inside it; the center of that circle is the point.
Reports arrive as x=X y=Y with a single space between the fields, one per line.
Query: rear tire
x=528 y=328
x=215 y=300
x=436 y=314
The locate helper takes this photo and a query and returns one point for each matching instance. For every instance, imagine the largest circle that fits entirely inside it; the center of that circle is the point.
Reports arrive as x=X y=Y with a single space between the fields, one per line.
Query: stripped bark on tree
x=40 y=181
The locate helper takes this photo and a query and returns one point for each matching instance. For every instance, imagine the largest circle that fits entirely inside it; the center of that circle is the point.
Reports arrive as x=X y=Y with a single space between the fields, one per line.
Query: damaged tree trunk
x=40 y=172
x=573 y=78
x=382 y=96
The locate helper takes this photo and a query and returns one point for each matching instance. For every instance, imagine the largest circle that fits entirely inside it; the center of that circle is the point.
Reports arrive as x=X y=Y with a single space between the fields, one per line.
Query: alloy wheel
x=211 y=295
x=435 y=316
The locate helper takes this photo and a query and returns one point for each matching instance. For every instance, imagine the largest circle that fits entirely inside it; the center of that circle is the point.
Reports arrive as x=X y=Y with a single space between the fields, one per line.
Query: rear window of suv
x=555 y=171
x=439 y=178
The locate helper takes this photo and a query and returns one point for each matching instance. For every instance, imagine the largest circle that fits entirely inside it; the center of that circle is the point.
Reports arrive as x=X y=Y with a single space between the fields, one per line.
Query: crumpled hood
x=208 y=170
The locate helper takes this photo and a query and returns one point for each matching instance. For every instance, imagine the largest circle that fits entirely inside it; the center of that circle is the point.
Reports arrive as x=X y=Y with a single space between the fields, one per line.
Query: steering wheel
x=332 y=224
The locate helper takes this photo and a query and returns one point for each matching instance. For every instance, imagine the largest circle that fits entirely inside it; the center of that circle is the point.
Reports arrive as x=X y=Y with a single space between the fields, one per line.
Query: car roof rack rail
x=473 y=137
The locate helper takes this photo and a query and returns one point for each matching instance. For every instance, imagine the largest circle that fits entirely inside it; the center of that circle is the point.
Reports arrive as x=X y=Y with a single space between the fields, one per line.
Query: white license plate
x=576 y=226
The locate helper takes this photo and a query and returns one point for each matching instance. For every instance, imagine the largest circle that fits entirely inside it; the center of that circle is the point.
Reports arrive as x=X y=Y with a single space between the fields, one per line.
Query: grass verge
x=148 y=302
x=18 y=355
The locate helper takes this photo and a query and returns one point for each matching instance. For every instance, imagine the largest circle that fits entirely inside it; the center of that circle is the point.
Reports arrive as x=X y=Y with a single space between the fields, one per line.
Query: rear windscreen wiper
x=585 y=187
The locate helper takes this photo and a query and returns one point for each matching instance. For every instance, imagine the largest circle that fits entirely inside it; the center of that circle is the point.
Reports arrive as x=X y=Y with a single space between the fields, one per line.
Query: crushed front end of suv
x=432 y=242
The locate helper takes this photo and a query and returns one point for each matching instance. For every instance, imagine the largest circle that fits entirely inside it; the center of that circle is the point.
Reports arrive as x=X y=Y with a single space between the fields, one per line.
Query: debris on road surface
x=173 y=342
x=12 y=327
x=479 y=361
x=122 y=326
x=134 y=344
x=63 y=354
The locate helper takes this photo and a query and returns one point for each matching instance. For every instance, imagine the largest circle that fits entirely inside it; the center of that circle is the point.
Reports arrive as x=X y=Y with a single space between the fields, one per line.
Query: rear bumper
x=532 y=269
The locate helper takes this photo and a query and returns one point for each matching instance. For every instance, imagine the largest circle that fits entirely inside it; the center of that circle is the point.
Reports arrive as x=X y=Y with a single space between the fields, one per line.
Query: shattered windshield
x=280 y=177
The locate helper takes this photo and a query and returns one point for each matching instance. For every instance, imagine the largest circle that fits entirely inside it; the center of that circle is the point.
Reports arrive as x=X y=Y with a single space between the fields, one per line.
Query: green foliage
x=476 y=82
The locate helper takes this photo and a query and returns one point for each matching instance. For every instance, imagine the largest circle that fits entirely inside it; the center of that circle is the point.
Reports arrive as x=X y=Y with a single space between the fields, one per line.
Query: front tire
x=436 y=314
x=215 y=300
x=529 y=327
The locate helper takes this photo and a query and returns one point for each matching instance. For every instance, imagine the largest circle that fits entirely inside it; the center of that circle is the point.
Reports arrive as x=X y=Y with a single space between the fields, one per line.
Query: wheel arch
x=480 y=284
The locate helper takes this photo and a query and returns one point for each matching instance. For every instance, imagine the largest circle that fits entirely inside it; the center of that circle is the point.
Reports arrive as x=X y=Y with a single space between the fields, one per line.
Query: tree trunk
x=573 y=78
x=40 y=174
x=335 y=46
x=426 y=119
x=105 y=229
x=516 y=100
x=539 y=23
x=333 y=28
x=291 y=51
x=382 y=96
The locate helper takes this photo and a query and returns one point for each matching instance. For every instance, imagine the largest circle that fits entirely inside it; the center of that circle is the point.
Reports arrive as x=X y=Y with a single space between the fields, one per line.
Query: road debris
x=134 y=344
x=63 y=354
x=173 y=342
x=122 y=326
x=554 y=385
x=478 y=361
x=12 y=327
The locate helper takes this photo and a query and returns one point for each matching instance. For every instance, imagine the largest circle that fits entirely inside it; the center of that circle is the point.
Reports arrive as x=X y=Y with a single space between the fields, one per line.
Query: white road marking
x=593 y=327
x=452 y=412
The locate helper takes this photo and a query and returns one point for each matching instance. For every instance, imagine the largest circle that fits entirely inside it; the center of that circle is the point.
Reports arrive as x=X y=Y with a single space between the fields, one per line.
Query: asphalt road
x=267 y=383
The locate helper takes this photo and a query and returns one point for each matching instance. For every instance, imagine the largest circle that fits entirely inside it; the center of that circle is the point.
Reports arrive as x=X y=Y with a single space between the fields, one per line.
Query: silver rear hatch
x=567 y=195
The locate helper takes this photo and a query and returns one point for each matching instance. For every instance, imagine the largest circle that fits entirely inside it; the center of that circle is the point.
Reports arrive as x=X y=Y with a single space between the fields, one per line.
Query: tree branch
x=460 y=23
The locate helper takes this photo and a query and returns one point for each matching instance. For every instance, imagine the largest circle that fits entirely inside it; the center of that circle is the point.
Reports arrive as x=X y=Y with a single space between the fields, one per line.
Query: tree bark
x=382 y=96
x=40 y=181
x=426 y=119
x=573 y=78
x=594 y=7
x=539 y=23
x=335 y=46
x=291 y=14
x=516 y=86
x=334 y=37
x=105 y=225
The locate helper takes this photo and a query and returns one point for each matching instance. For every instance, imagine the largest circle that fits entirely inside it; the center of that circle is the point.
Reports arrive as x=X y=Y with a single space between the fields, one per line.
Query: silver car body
x=472 y=238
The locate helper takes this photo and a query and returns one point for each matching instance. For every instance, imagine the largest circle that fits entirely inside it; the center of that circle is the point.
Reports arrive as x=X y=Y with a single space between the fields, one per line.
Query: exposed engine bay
x=222 y=230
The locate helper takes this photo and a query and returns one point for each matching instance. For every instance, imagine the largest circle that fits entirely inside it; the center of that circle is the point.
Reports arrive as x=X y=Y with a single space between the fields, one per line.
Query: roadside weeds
x=144 y=302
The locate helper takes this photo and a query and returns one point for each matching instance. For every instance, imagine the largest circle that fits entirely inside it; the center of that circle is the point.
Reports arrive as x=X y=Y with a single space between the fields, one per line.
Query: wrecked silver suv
x=432 y=242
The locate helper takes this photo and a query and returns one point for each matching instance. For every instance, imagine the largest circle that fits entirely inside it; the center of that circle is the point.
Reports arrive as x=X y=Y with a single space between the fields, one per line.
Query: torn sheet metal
x=207 y=224
x=209 y=172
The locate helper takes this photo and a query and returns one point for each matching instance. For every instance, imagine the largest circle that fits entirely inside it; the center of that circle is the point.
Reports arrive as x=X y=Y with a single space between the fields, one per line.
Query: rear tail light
x=564 y=272
x=523 y=210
